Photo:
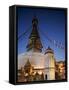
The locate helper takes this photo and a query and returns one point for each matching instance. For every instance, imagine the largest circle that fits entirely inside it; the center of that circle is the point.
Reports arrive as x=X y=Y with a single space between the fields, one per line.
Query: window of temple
x=46 y=76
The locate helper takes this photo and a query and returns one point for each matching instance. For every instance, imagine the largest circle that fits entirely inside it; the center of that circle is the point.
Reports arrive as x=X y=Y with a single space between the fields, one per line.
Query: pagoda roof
x=28 y=64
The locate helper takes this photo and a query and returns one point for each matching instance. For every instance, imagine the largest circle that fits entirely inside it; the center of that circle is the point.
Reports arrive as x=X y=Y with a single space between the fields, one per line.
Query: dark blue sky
x=50 y=21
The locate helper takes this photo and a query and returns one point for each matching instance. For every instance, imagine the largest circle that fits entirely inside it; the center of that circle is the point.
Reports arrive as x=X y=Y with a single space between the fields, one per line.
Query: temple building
x=60 y=70
x=33 y=65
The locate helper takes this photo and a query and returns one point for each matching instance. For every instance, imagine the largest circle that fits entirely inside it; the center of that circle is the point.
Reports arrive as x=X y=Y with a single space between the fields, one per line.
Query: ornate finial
x=34 y=44
x=35 y=20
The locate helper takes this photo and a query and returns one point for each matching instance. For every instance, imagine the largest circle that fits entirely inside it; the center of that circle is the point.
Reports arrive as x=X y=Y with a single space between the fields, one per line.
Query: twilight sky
x=50 y=21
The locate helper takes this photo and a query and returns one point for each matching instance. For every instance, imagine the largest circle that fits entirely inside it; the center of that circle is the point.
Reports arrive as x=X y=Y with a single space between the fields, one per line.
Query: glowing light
x=40 y=72
x=39 y=67
x=26 y=74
